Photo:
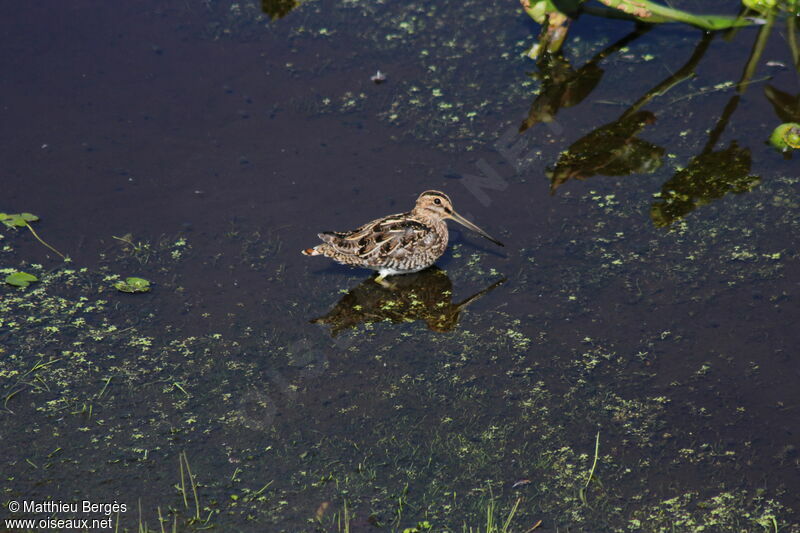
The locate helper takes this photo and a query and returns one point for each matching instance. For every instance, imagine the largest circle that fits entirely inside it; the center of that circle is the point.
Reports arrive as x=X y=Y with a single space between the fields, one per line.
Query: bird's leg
x=381 y=280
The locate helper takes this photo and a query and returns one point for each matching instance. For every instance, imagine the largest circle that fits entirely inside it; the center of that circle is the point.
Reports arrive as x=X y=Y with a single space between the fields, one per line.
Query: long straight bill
x=466 y=223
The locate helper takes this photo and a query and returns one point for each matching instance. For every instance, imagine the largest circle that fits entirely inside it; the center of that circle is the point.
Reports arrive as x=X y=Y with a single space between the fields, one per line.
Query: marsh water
x=627 y=362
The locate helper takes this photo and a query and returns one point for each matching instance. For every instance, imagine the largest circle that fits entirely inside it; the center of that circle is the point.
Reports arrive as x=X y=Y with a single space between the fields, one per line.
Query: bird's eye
x=437 y=201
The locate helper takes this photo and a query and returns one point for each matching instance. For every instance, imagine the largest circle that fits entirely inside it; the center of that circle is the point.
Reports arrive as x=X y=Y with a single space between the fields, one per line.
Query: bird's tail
x=311 y=251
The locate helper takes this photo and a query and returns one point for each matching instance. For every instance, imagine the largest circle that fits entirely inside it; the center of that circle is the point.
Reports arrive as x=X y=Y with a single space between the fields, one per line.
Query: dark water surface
x=648 y=289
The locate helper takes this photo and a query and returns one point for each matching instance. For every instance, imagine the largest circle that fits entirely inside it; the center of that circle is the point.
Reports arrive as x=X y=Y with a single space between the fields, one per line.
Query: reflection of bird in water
x=421 y=296
x=397 y=244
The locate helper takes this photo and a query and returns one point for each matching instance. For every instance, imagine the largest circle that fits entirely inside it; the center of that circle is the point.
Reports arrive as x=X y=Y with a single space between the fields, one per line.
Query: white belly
x=394 y=271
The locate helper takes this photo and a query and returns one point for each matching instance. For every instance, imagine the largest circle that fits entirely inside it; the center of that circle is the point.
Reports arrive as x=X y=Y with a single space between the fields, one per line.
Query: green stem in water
x=791 y=30
x=756 y=52
x=594 y=464
x=651 y=12
x=44 y=243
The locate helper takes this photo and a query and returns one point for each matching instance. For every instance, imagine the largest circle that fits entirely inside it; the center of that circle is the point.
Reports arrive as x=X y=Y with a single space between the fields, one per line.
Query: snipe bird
x=397 y=244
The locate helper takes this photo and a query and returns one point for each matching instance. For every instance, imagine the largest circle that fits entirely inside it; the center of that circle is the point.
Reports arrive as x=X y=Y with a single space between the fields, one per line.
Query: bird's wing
x=385 y=237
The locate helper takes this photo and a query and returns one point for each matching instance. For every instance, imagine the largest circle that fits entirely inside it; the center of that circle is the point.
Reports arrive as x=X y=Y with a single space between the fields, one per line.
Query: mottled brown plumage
x=397 y=244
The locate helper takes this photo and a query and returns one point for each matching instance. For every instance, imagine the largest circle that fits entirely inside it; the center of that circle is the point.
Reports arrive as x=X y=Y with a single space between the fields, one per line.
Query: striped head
x=436 y=204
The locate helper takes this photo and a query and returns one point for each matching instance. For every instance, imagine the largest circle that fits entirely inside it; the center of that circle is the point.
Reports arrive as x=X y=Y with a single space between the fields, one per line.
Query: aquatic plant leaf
x=759 y=5
x=765 y=6
x=786 y=137
x=19 y=220
x=132 y=285
x=20 y=279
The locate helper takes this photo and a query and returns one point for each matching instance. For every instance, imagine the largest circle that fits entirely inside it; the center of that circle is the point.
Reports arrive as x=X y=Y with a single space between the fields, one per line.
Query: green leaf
x=21 y=279
x=786 y=136
x=19 y=220
x=133 y=285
